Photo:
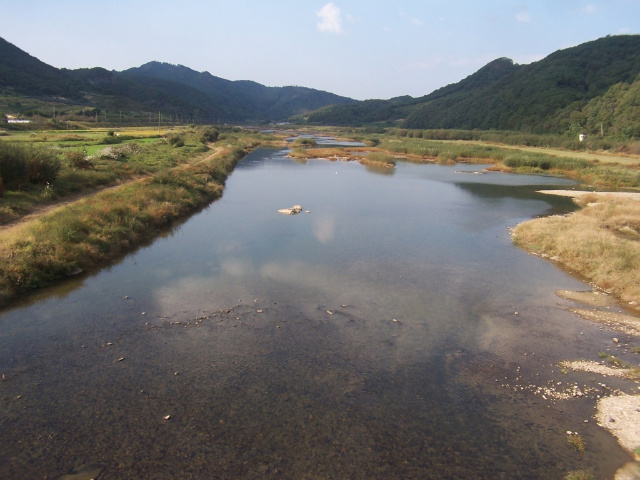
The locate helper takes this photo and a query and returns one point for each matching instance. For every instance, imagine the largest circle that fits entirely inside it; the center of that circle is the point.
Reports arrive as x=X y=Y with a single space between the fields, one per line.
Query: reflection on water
x=370 y=338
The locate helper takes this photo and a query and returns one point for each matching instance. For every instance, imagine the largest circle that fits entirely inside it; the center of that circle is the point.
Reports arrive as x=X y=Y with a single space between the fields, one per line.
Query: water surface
x=393 y=331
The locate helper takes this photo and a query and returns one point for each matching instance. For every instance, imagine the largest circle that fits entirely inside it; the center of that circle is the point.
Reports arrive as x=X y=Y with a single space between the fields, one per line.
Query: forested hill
x=28 y=75
x=245 y=98
x=155 y=86
x=566 y=90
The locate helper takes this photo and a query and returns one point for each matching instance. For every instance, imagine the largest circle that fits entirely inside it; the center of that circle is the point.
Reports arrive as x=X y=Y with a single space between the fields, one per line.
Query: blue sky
x=356 y=48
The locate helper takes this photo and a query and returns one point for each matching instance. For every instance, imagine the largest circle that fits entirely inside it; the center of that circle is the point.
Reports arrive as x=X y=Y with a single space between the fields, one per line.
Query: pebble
x=167 y=417
x=615 y=340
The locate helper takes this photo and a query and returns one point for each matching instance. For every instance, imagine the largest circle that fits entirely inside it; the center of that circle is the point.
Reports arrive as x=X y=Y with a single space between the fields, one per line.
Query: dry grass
x=329 y=153
x=601 y=241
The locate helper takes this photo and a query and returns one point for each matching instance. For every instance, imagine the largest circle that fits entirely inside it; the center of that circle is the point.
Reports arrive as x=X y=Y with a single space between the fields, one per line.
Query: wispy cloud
x=523 y=17
x=416 y=22
x=330 y=19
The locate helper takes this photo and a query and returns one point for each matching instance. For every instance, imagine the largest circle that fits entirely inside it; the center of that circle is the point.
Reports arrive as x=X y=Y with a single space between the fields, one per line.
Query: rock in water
x=296 y=209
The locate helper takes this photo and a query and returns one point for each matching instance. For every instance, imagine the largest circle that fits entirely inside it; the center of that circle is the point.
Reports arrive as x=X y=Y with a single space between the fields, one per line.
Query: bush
x=175 y=140
x=13 y=163
x=109 y=140
x=21 y=164
x=79 y=160
x=304 y=142
x=43 y=167
x=209 y=135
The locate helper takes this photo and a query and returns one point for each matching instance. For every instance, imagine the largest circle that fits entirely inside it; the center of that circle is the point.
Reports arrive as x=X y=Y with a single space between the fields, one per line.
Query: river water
x=393 y=331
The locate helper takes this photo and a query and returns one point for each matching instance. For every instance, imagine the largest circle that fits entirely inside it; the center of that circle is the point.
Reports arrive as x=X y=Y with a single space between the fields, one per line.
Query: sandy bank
x=616 y=414
x=581 y=193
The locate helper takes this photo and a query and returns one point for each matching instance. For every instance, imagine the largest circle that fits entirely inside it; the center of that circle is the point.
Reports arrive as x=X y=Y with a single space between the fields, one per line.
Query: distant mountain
x=502 y=95
x=156 y=86
x=28 y=75
x=246 y=99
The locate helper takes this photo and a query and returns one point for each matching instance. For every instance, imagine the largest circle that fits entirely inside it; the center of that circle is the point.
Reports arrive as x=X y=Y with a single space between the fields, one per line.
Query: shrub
x=209 y=135
x=13 y=163
x=1 y=188
x=79 y=160
x=175 y=140
x=110 y=140
x=304 y=142
x=21 y=164
x=43 y=167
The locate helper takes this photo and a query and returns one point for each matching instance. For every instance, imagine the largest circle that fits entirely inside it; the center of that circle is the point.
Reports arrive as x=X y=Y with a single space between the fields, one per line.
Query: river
x=393 y=331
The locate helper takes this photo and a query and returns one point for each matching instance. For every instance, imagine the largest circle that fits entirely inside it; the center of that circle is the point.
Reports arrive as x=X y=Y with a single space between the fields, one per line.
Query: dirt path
x=47 y=208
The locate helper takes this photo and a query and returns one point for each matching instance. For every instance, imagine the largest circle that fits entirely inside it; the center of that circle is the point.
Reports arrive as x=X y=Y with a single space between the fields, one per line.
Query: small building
x=12 y=119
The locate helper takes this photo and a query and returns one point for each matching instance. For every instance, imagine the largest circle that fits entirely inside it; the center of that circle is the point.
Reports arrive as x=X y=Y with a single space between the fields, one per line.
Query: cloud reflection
x=324 y=228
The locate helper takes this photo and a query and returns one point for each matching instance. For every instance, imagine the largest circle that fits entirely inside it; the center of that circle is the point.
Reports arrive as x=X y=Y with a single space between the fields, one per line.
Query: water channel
x=393 y=331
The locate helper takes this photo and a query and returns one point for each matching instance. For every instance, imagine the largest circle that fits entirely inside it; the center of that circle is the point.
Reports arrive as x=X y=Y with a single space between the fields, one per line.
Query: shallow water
x=392 y=332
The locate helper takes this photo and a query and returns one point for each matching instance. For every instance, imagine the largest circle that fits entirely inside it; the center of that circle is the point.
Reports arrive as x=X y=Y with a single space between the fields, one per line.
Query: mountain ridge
x=506 y=96
x=591 y=87
x=154 y=86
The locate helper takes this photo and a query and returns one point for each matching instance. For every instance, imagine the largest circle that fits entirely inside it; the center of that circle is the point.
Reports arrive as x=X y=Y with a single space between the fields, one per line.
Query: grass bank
x=100 y=228
x=600 y=242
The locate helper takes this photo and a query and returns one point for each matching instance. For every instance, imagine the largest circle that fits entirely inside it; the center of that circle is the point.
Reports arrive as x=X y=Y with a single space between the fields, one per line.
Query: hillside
x=27 y=75
x=154 y=87
x=506 y=96
x=243 y=98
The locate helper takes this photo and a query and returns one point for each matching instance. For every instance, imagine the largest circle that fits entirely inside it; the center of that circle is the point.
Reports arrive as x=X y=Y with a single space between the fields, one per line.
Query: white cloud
x=417 y=22
x=523 y=17
x=330 y=19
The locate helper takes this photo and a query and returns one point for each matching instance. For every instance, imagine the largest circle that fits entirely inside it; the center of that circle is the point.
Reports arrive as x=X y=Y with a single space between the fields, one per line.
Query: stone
x=296 y=209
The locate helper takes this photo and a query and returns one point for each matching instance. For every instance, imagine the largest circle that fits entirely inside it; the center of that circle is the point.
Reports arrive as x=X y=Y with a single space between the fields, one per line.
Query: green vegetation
x=619 y=363
x=576 y=441
x=24 y=164
x=163 y=184
x=153 y=94
x=304 y=142
x=579 y=475
x=592 y=89
x=379 y=158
